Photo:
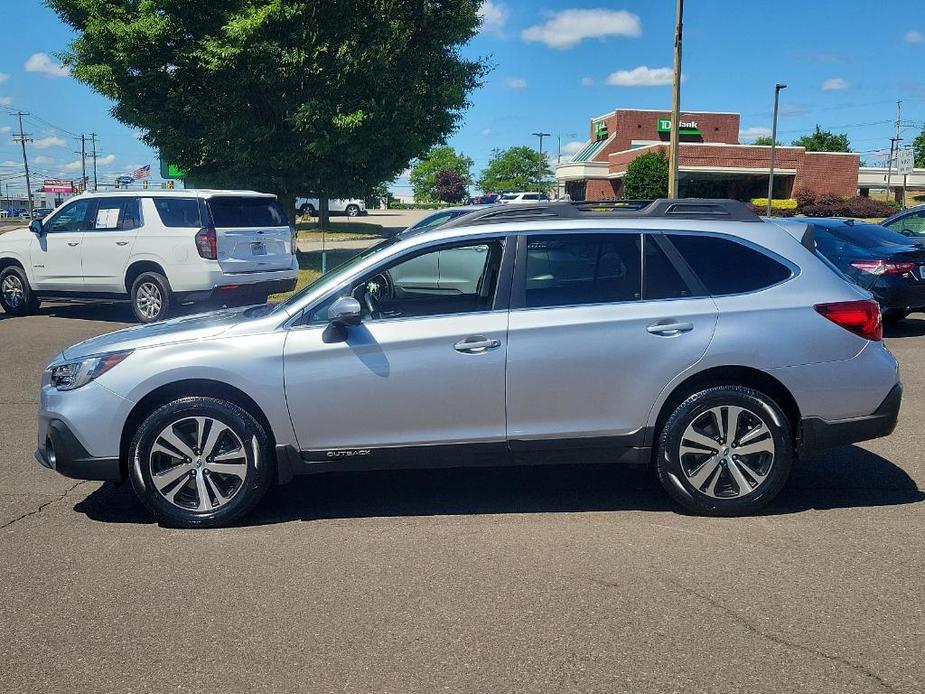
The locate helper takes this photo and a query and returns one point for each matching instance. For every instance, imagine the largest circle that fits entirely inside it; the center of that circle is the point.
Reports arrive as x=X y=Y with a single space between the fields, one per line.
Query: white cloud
x=569 y=149
x=587 y=82
x=487 y=132
x=834 y=84
x=754 y=132
x=5 y=101
x=10 y=163
x=515 y=83
x=42 y=159
x=100 y=161
x=105 y=160
x=4 y=77
x=493 y=15
x=568 y=28
x=41 y=62
x=5 y=129
x=72 y=166
x=914 y=37
x=642 y=76
x=50 y=141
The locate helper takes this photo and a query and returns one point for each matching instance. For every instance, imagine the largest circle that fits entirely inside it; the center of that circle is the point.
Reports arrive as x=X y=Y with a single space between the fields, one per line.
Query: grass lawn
x=339 y=231
x=310 y=267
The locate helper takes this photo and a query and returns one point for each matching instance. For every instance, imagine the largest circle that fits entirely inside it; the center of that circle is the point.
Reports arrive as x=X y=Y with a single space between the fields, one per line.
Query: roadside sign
x=56 y=185
x=171 y=171
x=905 y=161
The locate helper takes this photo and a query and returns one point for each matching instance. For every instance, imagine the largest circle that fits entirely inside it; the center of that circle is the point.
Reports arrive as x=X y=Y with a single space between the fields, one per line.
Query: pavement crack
x=774 y=638
x=42 y=507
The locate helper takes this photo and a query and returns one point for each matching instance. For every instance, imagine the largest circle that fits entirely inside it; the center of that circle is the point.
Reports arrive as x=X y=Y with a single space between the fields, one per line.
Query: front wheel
x=16 y=296
x=200 y=462
x=151 y=297
x=725 y=451
x=352 y=210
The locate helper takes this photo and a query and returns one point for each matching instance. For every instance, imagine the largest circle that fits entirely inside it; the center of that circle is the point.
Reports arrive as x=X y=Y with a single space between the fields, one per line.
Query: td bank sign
x=685 y=127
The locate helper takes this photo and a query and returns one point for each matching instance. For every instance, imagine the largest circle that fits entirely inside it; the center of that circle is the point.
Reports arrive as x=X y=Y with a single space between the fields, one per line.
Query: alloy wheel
x=14 y=294
x=198 y=463
x=727 y=451
x=149 y=300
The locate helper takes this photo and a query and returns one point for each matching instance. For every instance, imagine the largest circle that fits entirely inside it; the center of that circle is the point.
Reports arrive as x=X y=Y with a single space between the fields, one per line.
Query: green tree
x=451 y=186
x=764 y=140
x=516 y=169
x=918 y=149
x=647 y=177
x=290 y=96
x=423 y=176
x=823 y=141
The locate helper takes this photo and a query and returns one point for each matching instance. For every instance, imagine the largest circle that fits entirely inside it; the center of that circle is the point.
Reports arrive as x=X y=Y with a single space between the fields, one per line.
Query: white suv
x=522 y=198
x=352 y=207
x=155 y=248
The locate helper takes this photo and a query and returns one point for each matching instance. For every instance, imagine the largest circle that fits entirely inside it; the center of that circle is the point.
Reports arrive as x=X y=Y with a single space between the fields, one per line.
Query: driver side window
x=461 y=278
x=73 y=217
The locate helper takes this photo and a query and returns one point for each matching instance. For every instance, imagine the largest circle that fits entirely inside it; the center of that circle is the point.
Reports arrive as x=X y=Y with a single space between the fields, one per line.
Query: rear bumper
x=62 y=452
x=901 y=297
x=819 y=433
x=224 y=291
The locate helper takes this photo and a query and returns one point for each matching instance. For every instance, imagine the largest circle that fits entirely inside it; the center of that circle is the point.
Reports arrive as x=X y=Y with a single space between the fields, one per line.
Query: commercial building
x=712 y=161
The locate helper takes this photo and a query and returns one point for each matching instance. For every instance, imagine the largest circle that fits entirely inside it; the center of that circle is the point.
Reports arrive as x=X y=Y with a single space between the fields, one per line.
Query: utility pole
x=894 y=145
x=22 y=139
x=541 y=135
x=777 y=88
x=83 y=163
x=676 y=103
x=93 y=143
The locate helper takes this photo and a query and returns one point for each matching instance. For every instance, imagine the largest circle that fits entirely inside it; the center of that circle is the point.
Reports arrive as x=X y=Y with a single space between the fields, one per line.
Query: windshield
x=341 y=270
x=436 y=219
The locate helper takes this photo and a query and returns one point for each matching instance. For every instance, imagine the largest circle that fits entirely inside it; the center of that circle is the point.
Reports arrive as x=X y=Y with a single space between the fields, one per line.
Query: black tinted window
x=247 y=212
x=178 y=212
x=116 y=213
x=660 y=278
x=569 y=269
x=728 y=267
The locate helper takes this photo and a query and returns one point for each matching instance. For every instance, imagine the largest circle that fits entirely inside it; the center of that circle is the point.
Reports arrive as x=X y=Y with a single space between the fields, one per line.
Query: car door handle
x=73 y=243
x=476 y=344
x=121 y=243
x=669 y=329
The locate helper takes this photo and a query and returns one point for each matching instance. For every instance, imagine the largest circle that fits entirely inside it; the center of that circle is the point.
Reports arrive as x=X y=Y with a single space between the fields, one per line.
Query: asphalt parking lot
x=559 y=579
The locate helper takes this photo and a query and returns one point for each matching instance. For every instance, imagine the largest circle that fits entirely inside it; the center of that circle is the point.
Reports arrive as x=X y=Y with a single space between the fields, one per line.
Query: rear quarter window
x=178 y=212
x=246 y=212
x=728 y=267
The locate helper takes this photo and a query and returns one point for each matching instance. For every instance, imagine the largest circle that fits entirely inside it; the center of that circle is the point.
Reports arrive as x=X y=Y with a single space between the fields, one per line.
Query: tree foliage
x=291 y=96
x=423 y=176
x=647 y=177
x=516 y=169
x=764 y=140
x=918 y=149
x=824 y=141
x=451 y=186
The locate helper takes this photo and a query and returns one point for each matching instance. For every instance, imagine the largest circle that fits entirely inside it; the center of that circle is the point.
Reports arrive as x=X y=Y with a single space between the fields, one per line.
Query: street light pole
x=777 y=88
x=674 y=155
x=541 y=135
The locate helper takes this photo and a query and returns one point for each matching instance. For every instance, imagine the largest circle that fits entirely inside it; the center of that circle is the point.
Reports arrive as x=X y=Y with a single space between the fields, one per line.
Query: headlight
x=74 y=374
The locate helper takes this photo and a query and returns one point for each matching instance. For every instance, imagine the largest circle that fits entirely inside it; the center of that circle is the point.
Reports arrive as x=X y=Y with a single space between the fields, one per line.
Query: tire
x=307 y=209
x=170 y=474
x=352 y=210
x=16 y=296
x=711 y=484
x=151 y=297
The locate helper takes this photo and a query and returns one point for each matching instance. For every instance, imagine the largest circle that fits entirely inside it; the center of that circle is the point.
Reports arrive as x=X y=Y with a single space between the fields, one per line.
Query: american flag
x=142 y=172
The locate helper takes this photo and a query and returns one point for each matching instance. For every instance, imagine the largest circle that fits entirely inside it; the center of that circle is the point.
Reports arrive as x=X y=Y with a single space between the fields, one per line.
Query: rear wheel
x=151 y=297
x=352 y=210
x=307 y=209
x=16 y=296
x=725 y=451
x=200 y=462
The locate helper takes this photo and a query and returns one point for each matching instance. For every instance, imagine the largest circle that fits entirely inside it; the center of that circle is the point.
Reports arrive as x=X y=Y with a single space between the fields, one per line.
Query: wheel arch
x=137 y=267
x=734 y=375
x=13 y=261
x=182 y=389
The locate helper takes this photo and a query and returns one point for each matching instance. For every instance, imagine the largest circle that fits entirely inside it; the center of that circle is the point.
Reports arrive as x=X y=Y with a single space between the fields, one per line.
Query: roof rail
x=691 y=208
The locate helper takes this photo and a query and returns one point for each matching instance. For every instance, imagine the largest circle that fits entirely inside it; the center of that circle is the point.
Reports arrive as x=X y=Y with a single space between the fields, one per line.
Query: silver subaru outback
x=689 y=335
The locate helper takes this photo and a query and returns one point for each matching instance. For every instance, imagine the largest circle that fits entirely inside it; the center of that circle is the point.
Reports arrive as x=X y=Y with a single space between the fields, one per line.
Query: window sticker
x=108 y=219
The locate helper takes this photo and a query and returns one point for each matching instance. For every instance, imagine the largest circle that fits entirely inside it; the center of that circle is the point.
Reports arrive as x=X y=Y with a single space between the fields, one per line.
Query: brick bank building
x=712 y=162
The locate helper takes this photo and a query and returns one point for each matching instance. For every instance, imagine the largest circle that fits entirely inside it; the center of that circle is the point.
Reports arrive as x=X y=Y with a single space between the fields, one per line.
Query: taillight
x=860 y=317
x=883 y=267
x=205 y=243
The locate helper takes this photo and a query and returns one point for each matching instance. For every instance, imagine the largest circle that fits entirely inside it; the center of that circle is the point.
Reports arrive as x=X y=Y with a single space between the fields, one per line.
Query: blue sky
x=556 y=64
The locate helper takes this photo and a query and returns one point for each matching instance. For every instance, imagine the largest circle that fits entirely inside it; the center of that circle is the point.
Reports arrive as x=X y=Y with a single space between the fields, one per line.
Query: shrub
x=786 y=204
x=804 y=197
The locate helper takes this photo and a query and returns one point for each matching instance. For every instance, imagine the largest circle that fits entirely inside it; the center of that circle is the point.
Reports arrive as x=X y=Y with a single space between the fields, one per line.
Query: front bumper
x=817 y=433
x=62 y=452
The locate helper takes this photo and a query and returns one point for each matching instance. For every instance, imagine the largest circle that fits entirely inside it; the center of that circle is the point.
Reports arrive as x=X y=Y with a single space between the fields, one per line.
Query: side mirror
x=346 y=310
x=35 y=226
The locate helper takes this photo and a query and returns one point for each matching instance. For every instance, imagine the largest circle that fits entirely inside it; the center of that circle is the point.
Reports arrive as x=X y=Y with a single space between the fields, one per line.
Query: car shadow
x=113 y=312
x=909 y=327
x=847 y=477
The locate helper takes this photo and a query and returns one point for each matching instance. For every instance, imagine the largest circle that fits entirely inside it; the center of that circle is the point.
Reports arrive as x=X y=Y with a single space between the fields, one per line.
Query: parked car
x=909 y=222
x=484 y=199
x=41 y=212
x=153 y=248
x=521 y=198
x=352 y=207
x=689 y=335
x=887 y=264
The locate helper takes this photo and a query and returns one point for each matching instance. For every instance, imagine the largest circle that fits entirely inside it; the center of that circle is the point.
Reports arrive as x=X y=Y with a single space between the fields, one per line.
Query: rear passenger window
x=573 y=269
x=728 y=267
x=178 y=212
x=116 y=214
x=229 y=212
x=660 y=278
